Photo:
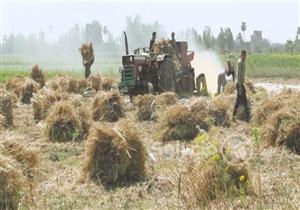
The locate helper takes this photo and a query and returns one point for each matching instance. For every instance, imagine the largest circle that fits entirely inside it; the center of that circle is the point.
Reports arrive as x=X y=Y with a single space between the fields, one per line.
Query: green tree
x=243 y=28
x=239 y=42
x=207 y=37
x=229 y=41
x=221 y=41
x=290 y=45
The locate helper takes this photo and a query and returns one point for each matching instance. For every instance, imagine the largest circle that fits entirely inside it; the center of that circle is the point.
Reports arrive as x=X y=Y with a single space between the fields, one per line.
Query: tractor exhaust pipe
x=126 y=43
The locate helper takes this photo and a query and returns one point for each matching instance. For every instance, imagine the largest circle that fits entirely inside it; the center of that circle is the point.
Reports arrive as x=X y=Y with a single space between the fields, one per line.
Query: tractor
x=159 y=70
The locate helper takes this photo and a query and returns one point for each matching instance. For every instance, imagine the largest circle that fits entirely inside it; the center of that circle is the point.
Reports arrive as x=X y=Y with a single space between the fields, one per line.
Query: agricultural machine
x=146 y=71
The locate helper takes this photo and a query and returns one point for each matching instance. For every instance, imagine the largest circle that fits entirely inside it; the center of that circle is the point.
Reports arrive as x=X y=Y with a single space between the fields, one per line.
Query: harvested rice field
x=67 y=143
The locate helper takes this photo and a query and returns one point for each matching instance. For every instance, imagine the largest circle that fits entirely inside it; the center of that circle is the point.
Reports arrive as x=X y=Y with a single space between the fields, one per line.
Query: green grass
x=272 y=65
x=53 y=64
x=258 y=65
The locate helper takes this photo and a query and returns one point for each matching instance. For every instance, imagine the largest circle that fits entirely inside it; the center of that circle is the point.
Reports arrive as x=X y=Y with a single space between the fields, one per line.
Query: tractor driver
x=152 y=41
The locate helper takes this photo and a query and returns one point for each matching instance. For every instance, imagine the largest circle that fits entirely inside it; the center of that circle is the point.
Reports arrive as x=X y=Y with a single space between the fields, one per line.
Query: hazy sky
x=278 y=21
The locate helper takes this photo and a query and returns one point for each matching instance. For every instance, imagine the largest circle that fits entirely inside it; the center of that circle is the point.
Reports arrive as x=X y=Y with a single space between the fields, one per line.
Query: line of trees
x=139 y=34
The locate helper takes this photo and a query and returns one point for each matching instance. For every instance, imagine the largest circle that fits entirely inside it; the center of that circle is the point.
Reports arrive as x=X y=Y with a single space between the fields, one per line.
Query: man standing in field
x=152 y=41
x=241 y=98
x=230 y=70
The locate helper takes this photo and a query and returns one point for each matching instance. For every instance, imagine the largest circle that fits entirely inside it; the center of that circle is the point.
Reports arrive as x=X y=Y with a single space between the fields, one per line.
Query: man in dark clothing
x=173 y=41
x=152 y=41
x=241 y=98
x=230 y=70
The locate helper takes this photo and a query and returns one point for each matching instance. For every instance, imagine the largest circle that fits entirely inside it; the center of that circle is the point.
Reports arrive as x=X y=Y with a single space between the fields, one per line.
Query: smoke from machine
x=207 y=62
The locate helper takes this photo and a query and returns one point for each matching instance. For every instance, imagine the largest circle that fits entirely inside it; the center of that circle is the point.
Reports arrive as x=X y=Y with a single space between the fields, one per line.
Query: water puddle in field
x=277 y=87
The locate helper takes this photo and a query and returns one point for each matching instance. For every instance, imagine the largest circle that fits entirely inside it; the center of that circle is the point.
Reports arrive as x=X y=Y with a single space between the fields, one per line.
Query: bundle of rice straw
x=43 y=100
x=211 y=179
x=114 y=156
x=220 y=109
x=95 y=81
x=37 y=75
x=283 y=128
x=146 y=108
x=27 y=90
x=107 y=83
x=178 y=124
x=107 y=107
x=15 y=84
x=166 y=99
x=6 y=110
x=62 y=123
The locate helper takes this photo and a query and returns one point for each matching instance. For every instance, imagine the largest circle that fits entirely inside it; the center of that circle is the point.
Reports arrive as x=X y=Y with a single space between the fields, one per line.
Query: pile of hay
x=95 y=82
x=231 y=88
x=114 y=156
x=43 y=100
x=107 y=83
x=62 y=123
x=83 y=84
x=14 y=84
x=220 y=110
x=73 y=86
x=178 y=124
x=59 y=82
x=27 y=90
x=146 y=108
x=27 y=159
x=264 y=108
x=107 y=106
x=283 y=128
x=37 y=75
x=211 y=179
x=85 y=118
x=166 y=99
x=18 y=167
x=6 y=110
x=12 y=185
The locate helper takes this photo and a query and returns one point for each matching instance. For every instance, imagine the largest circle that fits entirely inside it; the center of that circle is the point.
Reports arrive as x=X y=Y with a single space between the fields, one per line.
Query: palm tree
x=243 y=29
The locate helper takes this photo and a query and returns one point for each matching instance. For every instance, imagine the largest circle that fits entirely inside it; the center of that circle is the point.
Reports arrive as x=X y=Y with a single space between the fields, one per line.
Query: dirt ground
x=275 y=172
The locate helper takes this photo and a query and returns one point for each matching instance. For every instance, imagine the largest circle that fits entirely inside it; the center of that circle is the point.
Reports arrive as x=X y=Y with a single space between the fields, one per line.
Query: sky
x=277 y=19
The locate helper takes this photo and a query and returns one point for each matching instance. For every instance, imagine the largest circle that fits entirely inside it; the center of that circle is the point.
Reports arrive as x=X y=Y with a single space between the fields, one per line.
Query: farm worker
x=173 y=41
x=221 y=82
x=241 y=98
x=152 y=41
x=230 y=70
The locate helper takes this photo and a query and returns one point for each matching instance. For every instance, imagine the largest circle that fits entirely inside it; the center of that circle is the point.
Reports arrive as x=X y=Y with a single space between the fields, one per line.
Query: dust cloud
x=207 y=62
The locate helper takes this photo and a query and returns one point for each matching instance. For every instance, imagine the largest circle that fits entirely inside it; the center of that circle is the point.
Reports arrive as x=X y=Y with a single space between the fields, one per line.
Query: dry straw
x=18 y=167
x=211 y=179
x=178 y=123
x=166 y=99
x=114 y=156
x=62 y=123
x=6 y=110
x=146 y=107
x=107 y=106
x=27 y=90
x=283 y=128
x=43 y=100
x=37 y=75
x=107 y=83
x=15 y=84
x=95 y=82
x=220 y=110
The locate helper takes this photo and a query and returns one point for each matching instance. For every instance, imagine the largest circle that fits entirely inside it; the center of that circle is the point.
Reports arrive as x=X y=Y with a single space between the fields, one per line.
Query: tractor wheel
x=167 y=75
